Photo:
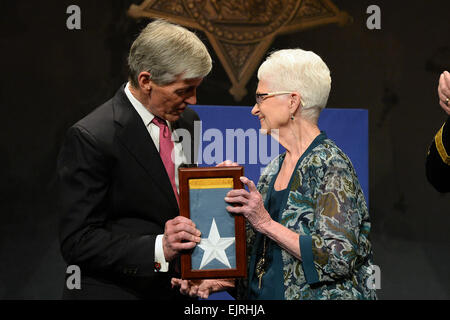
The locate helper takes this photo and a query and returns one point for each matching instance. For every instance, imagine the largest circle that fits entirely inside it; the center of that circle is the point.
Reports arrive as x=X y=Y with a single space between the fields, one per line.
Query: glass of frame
x=221 y=252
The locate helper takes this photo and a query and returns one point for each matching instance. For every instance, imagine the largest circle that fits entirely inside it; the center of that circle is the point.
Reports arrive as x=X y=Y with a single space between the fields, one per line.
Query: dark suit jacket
x=115 y=199
x=438 y=172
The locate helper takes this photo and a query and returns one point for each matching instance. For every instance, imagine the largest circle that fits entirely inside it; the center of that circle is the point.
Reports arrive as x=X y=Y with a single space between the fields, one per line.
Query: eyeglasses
x=259 y=97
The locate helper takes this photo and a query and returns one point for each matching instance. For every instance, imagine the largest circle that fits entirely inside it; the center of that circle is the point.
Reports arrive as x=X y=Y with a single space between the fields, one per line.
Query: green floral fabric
x=326 y=206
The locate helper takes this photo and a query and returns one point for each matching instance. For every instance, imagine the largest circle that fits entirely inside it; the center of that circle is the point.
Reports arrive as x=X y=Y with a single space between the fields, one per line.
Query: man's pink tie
x=165 y=151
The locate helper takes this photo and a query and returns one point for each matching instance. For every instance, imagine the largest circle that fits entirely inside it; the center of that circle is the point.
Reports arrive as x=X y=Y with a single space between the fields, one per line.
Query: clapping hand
x=444 y=91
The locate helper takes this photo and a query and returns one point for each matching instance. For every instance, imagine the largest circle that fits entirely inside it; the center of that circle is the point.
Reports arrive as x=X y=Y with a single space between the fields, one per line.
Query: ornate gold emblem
x=241 y=31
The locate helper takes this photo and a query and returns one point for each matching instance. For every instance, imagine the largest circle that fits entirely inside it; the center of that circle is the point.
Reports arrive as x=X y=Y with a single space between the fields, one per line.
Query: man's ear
x=145 y=81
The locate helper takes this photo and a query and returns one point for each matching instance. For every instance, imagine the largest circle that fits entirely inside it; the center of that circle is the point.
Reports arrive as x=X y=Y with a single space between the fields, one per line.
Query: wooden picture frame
x=202 y=193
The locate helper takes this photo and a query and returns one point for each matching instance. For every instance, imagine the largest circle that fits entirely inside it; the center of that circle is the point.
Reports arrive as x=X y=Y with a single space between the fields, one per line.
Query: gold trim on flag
x=212 y=183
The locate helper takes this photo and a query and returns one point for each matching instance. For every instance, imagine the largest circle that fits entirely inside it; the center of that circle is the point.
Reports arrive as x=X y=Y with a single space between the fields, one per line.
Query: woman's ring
x=446 y=101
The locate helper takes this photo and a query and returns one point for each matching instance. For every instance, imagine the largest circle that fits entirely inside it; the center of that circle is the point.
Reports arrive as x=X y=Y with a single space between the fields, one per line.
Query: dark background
x=52 y=77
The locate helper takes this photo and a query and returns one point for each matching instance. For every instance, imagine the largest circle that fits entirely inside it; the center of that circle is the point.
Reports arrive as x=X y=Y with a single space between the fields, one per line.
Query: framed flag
x=221 y=252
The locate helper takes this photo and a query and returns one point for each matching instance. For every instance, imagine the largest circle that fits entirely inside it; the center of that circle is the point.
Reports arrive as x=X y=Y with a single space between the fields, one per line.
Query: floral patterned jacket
x=326 y=206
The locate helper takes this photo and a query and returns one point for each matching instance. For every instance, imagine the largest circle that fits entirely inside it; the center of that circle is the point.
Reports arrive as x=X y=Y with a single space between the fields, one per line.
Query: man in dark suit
x=118 y=173
x=438 y=157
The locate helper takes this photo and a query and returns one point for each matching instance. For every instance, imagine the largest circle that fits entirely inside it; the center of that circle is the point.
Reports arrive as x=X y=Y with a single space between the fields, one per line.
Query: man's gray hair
x=300 y=71
x=167 y=51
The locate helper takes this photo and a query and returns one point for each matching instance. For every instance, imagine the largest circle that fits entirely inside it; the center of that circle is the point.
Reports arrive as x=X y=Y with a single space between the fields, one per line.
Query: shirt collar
x=143 y=112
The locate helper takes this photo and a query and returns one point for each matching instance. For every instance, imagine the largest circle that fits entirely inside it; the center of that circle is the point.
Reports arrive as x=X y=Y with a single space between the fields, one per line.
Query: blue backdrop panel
x=348 y=128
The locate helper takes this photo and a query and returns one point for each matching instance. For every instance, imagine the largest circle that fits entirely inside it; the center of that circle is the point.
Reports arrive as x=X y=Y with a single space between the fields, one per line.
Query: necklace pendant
x=260 y=266
x=260 y=270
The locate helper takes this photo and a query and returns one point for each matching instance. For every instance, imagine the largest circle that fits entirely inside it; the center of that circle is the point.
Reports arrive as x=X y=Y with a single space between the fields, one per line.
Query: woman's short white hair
x=300 y=71
x=167 y=51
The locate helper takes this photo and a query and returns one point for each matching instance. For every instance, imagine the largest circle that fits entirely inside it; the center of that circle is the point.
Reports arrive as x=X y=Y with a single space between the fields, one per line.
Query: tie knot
x=163 y=128
x=159 y=122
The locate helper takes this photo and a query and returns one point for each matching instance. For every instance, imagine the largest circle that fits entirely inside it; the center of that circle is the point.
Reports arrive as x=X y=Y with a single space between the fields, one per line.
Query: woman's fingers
x=249 y=183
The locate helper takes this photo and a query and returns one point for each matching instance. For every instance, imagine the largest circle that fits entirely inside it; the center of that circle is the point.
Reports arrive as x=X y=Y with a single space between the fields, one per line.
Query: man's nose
x=192 y=99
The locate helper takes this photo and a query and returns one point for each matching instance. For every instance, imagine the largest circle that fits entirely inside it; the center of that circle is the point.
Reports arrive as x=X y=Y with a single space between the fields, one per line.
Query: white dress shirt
x=153 y=130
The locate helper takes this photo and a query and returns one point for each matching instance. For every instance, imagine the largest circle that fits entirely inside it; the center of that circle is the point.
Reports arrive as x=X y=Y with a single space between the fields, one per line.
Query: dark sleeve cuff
x=309 y=269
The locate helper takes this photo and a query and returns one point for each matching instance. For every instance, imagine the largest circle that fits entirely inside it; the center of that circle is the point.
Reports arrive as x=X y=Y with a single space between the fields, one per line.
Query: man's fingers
x=447 y=78
x=445 y=107
x=175 y=282
x=227 y=163
x=179 y=234
x=181 y=219
x=444 y=86
x=444 y=91
x=184 y=289
x=179 y=246
x=186 y=236
x=182 y=236
x=182 y=230
x=193 y=290
x=176 y=238
x=186 y=228
x=204 y=294
x=230 y=163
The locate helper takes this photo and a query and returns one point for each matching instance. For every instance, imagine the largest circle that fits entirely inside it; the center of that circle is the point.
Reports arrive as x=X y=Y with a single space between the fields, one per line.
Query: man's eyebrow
x=187 y=88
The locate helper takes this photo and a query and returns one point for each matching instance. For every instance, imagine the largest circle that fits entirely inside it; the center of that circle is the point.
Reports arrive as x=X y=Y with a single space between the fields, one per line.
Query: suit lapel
x=134 y=136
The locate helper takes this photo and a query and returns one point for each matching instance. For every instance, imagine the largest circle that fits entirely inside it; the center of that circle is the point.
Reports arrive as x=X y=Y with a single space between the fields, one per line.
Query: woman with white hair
x=308 y=231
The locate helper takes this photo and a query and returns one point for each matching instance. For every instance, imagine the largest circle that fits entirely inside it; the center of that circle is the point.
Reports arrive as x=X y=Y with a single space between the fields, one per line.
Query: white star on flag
x=214 y=247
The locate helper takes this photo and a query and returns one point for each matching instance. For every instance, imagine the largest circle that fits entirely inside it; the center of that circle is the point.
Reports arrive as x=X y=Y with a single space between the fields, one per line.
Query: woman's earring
x=292 y=117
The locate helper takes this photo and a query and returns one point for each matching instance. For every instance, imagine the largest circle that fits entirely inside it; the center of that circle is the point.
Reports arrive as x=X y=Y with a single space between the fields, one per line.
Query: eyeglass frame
x=259 y=97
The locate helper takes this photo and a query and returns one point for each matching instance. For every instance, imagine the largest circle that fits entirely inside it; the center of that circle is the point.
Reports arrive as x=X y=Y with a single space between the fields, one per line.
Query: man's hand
x=202 y=288
x=179 y=234
x=228 y=163
x=444 y=91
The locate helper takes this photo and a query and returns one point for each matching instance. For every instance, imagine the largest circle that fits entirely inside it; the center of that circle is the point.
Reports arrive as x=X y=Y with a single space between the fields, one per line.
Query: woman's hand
x=202 y=288
x=250 y=205
x=444 y=91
